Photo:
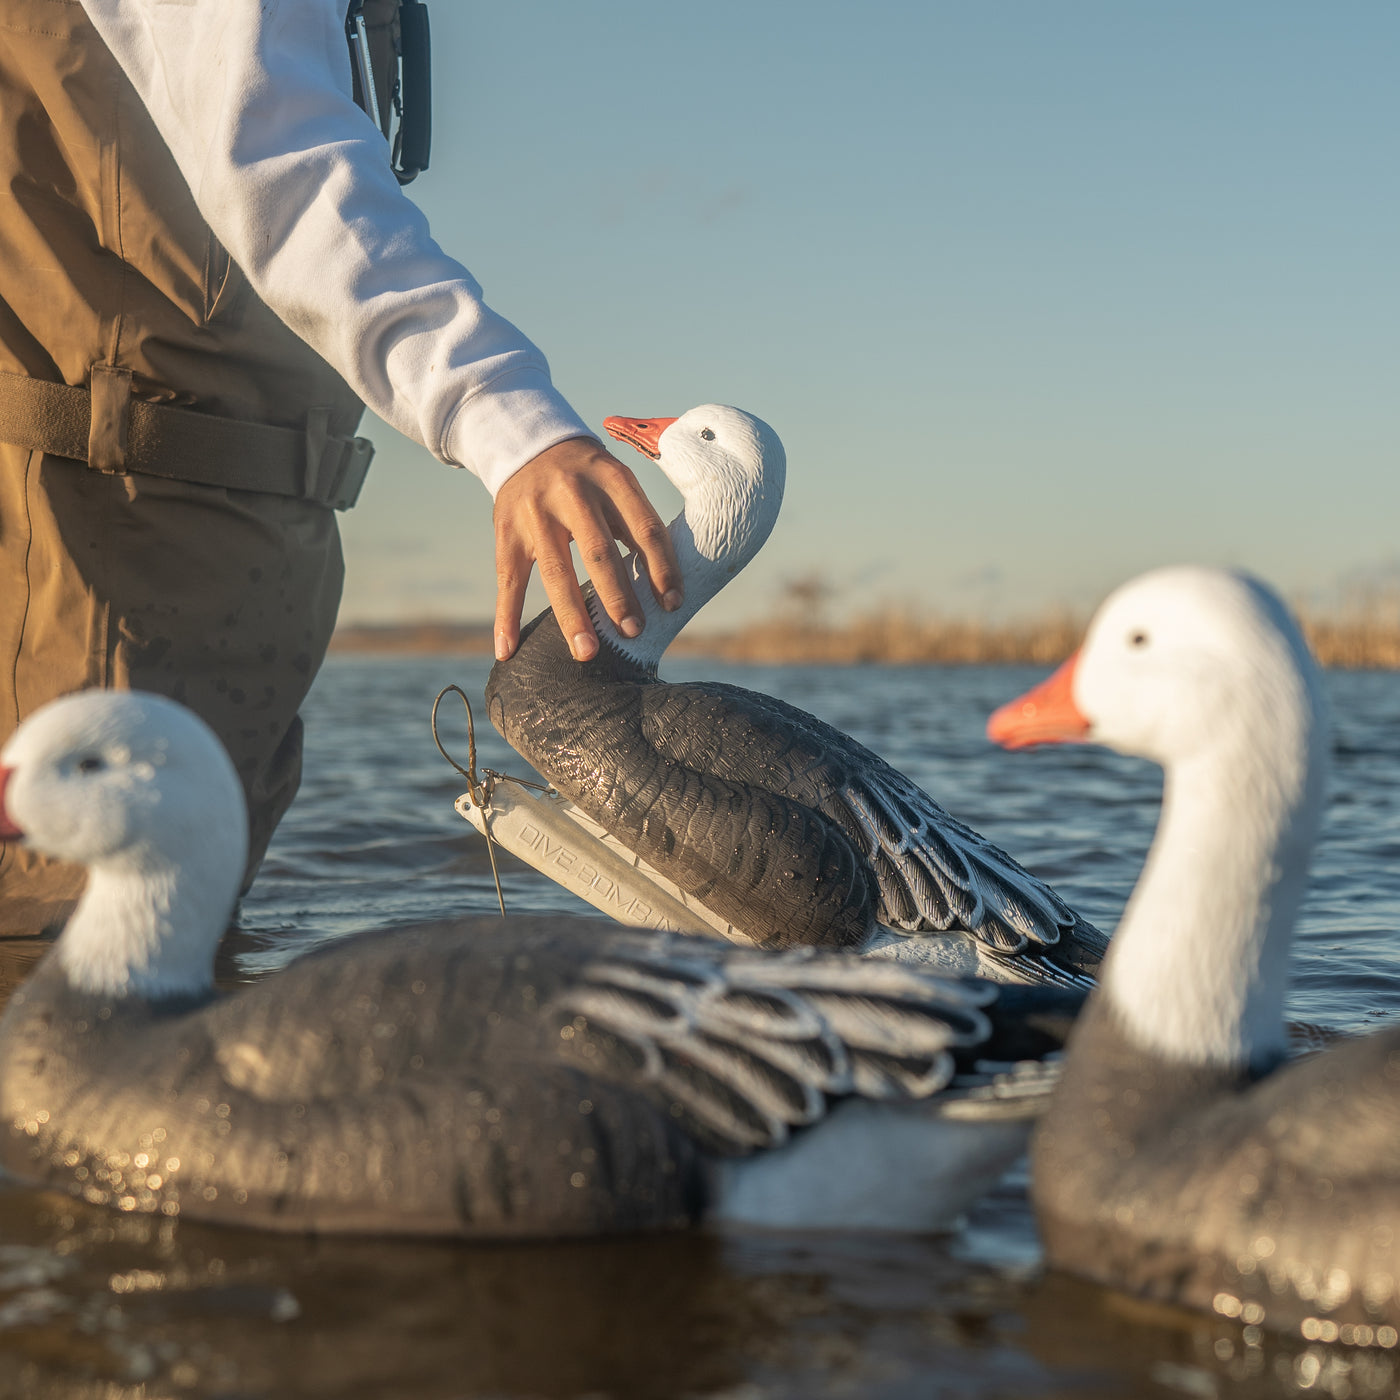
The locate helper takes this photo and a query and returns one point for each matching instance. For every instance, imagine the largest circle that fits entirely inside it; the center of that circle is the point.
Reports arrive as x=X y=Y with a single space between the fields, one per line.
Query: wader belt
x=113 y=432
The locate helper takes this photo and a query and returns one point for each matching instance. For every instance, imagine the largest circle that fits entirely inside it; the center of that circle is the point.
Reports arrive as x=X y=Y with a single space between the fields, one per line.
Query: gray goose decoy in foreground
x=1180 y=1159
x=486 y=1077
x=779 y=824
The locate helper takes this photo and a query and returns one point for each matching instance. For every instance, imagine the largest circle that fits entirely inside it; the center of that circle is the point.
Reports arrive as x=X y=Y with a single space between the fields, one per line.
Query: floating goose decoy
x=1181 y=1160
x=487 y=1077
x=762 y=820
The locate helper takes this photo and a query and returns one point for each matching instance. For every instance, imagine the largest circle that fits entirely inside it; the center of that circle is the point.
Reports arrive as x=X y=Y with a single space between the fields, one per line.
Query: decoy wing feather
x=934 y=873
x=742 y=1048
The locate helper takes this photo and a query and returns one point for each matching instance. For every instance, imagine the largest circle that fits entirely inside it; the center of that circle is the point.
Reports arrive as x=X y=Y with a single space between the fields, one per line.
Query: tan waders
x=170 y=452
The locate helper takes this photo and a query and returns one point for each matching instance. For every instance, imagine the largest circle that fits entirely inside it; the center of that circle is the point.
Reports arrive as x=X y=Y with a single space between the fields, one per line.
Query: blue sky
x=1037 y=295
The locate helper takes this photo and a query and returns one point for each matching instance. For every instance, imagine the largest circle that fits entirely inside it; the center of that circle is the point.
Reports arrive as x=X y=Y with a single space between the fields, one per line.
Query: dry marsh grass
x=891 y=639
x=414 y=638
x=1364 y=640
x=1361 y=638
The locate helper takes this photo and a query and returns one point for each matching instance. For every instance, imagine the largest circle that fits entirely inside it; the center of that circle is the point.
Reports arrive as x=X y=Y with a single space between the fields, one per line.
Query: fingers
x=577 y=491
x=530 y=536
x=513 y=564
x=636 y=522
x=556 y=568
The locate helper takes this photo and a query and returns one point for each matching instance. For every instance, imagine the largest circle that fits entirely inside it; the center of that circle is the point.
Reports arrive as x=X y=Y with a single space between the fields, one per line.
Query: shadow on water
x=123 y=1308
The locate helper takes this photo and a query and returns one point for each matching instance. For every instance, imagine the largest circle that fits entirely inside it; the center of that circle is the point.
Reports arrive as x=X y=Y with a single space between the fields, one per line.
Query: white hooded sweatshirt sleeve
x=253 y=98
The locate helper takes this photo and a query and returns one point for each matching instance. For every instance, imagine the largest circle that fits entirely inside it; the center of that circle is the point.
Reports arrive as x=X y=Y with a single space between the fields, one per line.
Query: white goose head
x=730 y=469
x=1175 y=664
x=1182 y=660
x=1205 y=672
x=140 y=791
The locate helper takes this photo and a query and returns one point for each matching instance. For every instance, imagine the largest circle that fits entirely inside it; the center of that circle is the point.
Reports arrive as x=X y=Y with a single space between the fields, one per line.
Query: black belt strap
x=182 y=445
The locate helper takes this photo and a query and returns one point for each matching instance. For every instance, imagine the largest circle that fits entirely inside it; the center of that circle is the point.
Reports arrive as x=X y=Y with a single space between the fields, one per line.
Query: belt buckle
x=335 y=467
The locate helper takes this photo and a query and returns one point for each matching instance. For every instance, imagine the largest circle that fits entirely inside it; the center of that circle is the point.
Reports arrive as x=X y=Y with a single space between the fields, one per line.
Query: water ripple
x=373 y=840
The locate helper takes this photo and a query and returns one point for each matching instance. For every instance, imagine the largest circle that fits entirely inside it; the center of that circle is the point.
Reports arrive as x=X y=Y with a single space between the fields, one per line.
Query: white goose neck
x=145 y=932
x=1198 y=967
x=709 y=557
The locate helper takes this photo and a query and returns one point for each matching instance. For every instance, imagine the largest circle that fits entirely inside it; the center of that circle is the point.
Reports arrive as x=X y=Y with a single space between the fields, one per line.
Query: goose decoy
x=1182 y=1159
x=485 y=1077
x=769 y=824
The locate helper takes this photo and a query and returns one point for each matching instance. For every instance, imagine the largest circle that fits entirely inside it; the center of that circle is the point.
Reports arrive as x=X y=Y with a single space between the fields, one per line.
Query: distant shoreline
x=1367 y=641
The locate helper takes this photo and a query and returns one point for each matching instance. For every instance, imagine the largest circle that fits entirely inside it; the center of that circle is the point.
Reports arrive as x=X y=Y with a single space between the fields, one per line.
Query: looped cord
x=480 y=792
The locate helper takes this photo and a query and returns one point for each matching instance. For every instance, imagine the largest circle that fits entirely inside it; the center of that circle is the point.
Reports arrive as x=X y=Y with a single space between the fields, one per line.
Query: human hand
x=577 y=490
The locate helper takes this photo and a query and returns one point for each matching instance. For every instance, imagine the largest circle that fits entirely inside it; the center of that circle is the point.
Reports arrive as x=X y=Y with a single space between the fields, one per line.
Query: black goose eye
x=1138 y=639
x=707 y=434
x=90 y=764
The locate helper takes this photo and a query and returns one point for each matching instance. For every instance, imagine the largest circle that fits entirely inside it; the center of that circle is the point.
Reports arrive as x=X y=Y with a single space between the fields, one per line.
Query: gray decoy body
x=1183 y=1159
x=1273 y=1199
x=776 y=821
x=485 y=1077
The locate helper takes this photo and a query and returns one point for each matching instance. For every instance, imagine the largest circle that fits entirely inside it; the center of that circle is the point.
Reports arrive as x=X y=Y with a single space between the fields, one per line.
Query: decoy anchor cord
x=481 y=788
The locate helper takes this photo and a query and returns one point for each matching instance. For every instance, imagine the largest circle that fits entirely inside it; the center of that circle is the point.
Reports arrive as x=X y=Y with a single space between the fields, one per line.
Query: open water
x=97 y=1305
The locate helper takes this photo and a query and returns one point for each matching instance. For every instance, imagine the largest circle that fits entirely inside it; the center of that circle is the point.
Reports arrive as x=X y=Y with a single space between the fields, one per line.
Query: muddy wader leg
x=223 y=600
